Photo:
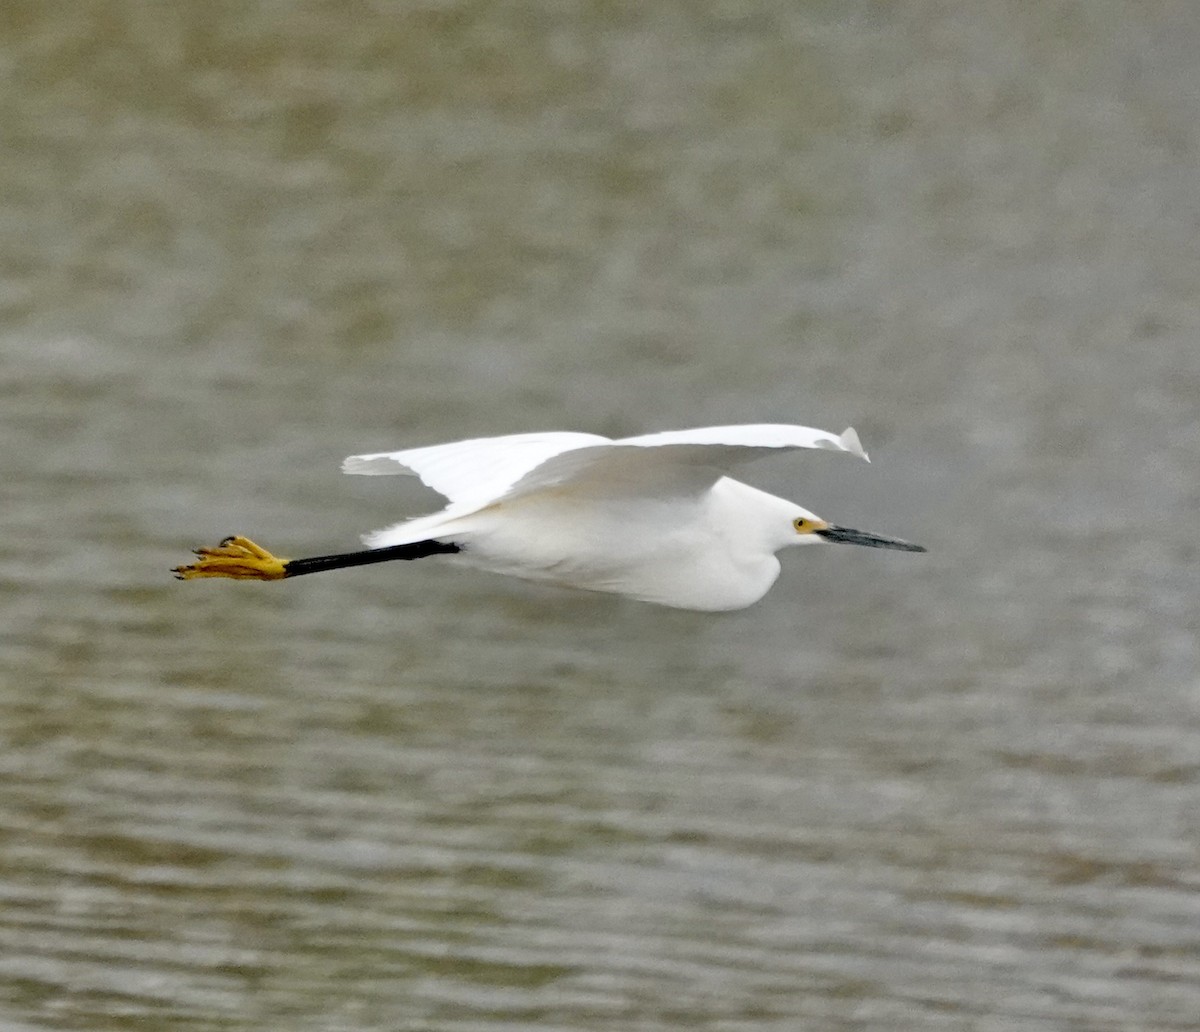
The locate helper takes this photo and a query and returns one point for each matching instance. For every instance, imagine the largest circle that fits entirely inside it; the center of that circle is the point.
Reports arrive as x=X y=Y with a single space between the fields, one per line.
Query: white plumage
x=653 y=517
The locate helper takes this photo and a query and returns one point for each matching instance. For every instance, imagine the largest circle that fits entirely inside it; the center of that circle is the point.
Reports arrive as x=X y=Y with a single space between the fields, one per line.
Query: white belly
x=645 y=550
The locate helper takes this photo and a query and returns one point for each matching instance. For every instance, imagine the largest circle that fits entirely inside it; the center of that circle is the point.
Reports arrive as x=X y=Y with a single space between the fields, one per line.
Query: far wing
x=755 y=439
x=675 y=461
x=472 y=472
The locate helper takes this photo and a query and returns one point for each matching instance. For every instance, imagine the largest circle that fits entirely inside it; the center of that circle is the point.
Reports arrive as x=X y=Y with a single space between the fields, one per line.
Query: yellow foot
x=236 y=557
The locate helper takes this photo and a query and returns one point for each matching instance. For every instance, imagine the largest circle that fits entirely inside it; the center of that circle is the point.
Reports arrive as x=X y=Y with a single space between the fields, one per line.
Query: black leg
x=320 y=563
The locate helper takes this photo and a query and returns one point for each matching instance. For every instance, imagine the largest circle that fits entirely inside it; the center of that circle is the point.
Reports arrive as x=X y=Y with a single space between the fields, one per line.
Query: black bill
x=847 y=536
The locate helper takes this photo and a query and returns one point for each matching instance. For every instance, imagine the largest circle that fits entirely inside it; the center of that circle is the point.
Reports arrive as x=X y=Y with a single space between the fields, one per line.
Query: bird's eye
x=800 y=523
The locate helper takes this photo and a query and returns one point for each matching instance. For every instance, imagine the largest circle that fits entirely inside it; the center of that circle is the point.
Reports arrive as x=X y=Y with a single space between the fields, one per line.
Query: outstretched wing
x=477 y=471
x=675 y=461
x=756 y=439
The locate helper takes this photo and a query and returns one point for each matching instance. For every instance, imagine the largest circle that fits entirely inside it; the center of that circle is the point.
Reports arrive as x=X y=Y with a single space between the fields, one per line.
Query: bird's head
x=808 y=528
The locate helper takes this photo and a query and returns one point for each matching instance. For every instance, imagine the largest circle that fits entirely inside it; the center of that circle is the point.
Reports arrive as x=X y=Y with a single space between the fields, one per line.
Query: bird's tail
x=420 y=528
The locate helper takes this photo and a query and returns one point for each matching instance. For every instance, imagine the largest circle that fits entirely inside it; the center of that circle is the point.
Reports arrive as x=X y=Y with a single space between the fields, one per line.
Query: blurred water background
x=954 y=791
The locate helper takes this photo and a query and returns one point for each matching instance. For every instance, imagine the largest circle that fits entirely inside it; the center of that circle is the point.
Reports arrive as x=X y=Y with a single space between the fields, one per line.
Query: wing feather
x=675 y=461
x=476 y=473
x=478 y=470
x=768 y=436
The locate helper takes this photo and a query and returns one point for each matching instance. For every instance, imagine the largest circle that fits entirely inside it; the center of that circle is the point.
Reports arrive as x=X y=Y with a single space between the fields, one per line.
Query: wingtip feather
x=853 y=445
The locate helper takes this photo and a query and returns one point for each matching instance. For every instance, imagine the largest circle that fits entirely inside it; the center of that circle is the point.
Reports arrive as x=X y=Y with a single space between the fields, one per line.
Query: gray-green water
x=953 y=791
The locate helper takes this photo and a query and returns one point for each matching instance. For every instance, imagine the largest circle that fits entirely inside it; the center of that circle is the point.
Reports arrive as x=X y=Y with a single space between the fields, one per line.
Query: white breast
x=674 y=554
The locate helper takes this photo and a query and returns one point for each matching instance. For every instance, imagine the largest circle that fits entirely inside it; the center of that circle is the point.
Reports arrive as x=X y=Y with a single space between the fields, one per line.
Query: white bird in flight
x=654 y=517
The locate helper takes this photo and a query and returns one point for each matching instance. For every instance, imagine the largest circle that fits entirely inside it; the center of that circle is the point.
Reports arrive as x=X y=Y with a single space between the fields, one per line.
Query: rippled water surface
x=952 y=791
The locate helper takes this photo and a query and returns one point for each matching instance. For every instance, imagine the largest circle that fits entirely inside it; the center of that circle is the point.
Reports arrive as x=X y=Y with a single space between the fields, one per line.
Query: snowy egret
x=653 y=517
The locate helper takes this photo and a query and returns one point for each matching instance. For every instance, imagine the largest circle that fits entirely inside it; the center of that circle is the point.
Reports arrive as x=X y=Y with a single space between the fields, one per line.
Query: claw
x=236 y=557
